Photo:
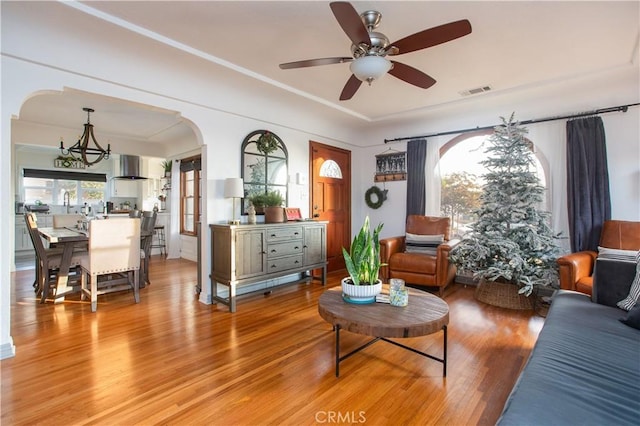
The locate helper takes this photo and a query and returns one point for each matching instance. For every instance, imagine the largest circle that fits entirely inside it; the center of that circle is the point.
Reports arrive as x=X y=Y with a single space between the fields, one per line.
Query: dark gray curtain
x=416 y=157
x=589 y=202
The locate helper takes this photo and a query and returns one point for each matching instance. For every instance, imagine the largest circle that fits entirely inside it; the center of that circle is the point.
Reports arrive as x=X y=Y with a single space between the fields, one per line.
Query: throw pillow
x=425 y=244
x=617 y=254
x=634 y=292
x=633 y=317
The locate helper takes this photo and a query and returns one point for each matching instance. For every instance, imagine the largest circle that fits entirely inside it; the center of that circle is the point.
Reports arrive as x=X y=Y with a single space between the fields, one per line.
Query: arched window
x=462 y=180
x=330 y=169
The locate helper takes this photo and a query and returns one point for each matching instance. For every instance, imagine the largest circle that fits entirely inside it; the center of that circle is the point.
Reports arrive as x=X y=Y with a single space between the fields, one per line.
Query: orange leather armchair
x=420 y=268
x=576 y=269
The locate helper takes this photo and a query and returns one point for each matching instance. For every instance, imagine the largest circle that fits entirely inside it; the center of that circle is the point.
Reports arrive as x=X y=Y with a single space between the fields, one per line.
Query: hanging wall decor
x=391 y=166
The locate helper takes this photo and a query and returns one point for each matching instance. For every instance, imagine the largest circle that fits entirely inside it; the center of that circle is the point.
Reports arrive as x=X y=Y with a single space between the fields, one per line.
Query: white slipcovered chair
x=113 y=260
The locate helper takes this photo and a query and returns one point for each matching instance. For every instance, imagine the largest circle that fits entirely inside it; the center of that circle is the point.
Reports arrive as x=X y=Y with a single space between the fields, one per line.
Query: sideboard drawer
x=284 y=233
x=284 y=249
x=284 y=263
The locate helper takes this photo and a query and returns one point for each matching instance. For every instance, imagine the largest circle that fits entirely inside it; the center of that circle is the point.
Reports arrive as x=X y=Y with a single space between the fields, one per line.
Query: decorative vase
x=360 y=294
x=273 y=214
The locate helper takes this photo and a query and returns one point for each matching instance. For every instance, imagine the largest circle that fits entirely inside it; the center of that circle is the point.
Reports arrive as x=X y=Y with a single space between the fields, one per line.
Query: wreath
x=378 y=193
x=267 y=143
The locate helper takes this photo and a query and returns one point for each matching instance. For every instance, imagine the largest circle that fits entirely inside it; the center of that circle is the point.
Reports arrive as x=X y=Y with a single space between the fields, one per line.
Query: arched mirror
x=264 y=166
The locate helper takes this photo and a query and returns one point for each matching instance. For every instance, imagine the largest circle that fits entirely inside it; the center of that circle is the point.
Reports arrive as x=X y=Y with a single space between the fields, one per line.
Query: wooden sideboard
x=246 y=254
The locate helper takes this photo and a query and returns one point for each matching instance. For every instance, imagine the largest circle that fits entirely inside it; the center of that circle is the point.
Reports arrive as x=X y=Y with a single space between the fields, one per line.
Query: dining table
x=68 y=238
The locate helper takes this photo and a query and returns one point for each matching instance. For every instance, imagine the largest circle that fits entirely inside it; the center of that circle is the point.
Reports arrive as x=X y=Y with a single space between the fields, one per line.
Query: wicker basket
x=503 y=295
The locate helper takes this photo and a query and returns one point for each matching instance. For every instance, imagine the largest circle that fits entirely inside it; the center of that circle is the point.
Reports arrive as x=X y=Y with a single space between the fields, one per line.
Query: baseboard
x=7 y=350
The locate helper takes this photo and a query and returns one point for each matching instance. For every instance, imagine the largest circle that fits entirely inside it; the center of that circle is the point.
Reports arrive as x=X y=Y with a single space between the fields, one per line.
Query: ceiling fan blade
x=350 y=22
x=411 y=75
x=350 y=89
x=432 y=37
x=314 y=62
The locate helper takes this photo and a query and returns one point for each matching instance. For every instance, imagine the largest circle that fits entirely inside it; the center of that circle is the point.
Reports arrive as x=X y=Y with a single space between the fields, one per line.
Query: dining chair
x=113 y=260
x=146 y=238
x=47 y=259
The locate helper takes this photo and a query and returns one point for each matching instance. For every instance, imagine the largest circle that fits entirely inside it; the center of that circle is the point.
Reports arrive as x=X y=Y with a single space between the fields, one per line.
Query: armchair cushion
x=617 y=254
x=425 y=244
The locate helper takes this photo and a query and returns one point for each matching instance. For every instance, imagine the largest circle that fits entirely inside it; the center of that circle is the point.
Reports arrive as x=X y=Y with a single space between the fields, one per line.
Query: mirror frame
x=252 y=138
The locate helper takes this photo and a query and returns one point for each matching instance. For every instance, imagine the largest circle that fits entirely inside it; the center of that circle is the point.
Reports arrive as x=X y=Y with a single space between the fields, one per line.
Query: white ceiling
x=514 y=46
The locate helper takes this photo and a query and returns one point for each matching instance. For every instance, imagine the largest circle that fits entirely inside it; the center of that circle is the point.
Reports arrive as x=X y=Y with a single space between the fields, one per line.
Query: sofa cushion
x=583 y=370
x=634 y=292
x=633 y=317
x=426 y=244
x=612 y=281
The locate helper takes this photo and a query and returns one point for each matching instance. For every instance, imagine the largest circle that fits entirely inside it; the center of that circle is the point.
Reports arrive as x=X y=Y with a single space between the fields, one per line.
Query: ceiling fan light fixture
x=369 y=68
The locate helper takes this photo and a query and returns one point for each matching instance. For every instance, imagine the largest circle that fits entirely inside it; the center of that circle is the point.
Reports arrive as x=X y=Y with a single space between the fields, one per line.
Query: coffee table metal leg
x=444 y=360
x=339 y=358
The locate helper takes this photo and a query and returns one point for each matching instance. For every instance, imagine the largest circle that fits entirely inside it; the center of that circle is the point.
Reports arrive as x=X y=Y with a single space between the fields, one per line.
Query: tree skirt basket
x=503 y=295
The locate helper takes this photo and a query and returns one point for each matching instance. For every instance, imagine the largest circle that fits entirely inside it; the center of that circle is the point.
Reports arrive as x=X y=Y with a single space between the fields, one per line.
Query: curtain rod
x=621 y=108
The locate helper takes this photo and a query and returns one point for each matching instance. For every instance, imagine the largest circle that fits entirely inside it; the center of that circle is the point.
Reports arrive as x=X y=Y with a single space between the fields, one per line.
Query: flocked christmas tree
x=512 y=240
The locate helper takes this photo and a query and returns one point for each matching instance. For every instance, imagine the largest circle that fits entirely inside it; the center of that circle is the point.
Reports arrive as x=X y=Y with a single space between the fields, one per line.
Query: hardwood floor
x=173 y=360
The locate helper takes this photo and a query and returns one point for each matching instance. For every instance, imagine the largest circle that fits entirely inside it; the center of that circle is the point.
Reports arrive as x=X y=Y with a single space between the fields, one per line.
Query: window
x=330 y=169
x=49 y=187
x=190 y=196
x=462 y=171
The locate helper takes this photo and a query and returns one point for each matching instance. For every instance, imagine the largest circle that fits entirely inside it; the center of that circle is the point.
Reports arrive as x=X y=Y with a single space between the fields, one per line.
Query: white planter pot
x=360 y=294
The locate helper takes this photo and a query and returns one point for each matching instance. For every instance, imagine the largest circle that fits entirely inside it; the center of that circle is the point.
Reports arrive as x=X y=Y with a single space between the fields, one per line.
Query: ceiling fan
x=370 y=48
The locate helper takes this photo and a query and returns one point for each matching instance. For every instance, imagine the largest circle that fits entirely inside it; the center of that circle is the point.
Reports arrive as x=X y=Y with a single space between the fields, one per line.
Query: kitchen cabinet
x=23 y=240
x=246 y=254
x=125 y=188
x=22 y=237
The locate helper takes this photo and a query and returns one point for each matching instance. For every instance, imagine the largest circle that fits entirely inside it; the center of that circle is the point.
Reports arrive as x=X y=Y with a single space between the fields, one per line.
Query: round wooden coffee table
x=425 y=314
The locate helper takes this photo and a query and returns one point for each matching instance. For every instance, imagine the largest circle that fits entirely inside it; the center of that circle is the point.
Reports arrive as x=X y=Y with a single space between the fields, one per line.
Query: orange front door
x=331 y=198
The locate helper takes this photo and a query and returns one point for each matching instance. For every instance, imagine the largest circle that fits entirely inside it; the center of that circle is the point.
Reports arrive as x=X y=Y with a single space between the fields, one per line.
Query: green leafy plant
x=267 y=199
x=166 y=165
x=363 y=259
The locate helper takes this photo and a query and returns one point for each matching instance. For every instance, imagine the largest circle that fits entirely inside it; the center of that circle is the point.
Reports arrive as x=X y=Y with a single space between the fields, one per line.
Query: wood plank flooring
x=172 y=360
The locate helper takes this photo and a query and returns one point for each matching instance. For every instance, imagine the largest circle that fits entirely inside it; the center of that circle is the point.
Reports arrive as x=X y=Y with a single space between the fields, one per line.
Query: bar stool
x=160 y=241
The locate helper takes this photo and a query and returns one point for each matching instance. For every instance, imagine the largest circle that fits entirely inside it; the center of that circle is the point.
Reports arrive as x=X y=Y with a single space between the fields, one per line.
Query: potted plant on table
x=271 y=204
x=363 y=264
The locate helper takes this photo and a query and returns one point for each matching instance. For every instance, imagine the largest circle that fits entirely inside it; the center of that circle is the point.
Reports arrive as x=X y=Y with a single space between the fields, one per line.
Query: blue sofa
x=585 y=366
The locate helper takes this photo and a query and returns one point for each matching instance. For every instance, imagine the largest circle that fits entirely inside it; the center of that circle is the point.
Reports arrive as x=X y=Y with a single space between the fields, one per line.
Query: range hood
x=130 y=167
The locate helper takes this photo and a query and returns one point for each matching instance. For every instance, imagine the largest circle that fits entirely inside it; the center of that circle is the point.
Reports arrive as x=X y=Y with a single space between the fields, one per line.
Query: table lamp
x=234 y=188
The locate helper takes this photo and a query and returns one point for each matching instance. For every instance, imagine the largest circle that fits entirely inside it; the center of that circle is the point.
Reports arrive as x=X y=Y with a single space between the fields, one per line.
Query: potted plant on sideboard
x=271 y=204
x=363 y=264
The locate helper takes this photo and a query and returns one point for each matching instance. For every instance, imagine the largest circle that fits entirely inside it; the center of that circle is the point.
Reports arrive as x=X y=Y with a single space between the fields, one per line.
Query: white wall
x=44 y=55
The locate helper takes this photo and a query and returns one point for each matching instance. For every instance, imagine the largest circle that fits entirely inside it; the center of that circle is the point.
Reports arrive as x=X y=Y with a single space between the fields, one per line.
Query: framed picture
x=391 y=167
x=293 y=213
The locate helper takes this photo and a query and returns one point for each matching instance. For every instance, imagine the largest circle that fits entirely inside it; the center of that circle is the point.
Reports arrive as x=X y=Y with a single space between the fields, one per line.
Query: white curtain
x=432 y=179
x=174 y=234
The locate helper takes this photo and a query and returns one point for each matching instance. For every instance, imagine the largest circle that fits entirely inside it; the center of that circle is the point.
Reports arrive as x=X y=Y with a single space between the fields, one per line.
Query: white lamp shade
x=233 y=188
x=369 y=68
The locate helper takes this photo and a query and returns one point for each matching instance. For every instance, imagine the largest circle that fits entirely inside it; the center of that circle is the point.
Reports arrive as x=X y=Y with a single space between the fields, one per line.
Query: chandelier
x=87 y=154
